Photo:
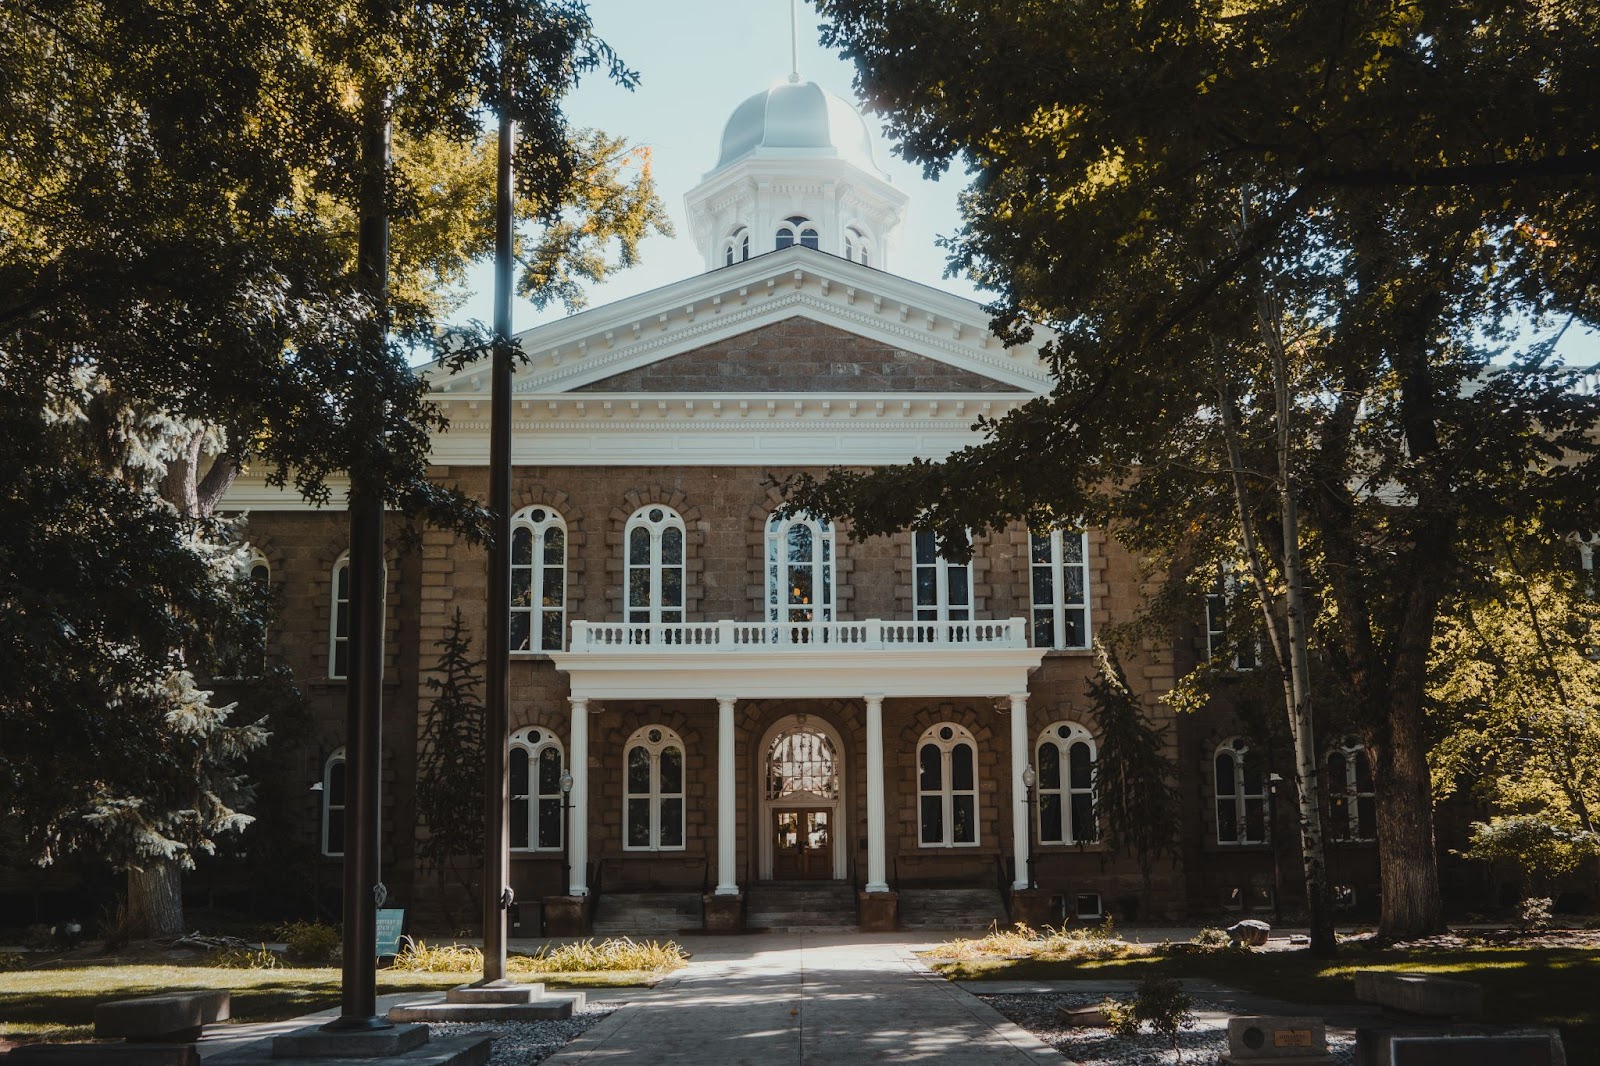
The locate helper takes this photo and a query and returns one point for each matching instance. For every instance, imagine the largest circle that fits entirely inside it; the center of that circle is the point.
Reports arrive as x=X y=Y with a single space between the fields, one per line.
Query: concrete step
x=546 y=1008
x=647 y=913
x=471 y=1049
x=801 y=907
x=956 y=909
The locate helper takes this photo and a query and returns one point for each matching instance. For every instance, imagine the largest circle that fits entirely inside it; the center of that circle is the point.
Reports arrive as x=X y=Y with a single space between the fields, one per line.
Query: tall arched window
x=857 y=246
x=339 y=620
x=943 y=590
x=1060 y=566
x=1066 y=790
x=652 y=808
x=244 y=654
x=799 y=574
x=797 y=229
x=947 y=787
x=333 y=800
x=654 y=538
x=1352 y=801
x=1241 y=793
x=802 y=762
x=737 y=247
x=535 y=766
x=1223 y=599
x=538 y=580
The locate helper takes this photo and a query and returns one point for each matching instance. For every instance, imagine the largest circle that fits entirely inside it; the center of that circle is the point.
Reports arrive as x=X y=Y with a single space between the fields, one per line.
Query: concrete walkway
x=776 y=999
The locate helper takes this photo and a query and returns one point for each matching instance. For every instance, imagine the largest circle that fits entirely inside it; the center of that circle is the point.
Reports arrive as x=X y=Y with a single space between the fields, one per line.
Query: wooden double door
x=802 y=844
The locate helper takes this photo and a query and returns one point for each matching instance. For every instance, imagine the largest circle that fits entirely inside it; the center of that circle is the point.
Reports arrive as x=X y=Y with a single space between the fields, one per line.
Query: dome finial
x=794 y=40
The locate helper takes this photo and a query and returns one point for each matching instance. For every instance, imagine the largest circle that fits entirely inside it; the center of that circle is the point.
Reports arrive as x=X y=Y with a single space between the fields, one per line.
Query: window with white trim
x=654 y=542
x=1065 y=772
x=797 y=229
x=1060 y=588
x=942 y=589
x=535 y=766
x=947 y=787
x=339 y=620
x=1241 y=790
x=1352 y=800
x=857 y=246
x=737 y=247
x=538 y=580
x=333 y=803
x=1223 y=598
x=799 y=574
x=653 y=798
x=247 y=658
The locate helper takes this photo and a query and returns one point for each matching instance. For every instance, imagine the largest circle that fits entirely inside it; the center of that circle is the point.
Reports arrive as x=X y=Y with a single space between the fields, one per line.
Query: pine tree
x=450 y=764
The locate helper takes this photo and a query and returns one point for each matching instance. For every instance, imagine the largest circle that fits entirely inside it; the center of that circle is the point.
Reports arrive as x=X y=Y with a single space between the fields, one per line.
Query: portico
x=865 y=663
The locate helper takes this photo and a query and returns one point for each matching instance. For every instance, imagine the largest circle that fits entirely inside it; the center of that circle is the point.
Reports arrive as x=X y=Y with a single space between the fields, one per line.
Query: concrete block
x=108 y=1054
x=1264 y=1039
x=1420 y=993
x=170 y=1017
x=1083 y=1017
x=315 y=1042
x=506 y=993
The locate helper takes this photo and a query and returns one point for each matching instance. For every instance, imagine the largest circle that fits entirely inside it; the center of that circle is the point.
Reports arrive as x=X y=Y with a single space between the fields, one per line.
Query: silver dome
x=797 y=119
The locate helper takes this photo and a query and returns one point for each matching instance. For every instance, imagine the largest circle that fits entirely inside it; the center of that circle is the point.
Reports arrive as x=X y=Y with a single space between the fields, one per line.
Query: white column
x=578 y=820
x=877 y=859
x=1020 y=829
x=727 y=878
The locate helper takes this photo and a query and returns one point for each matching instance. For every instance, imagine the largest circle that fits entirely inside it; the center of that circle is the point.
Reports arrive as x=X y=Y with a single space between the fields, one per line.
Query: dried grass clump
x=610 y=955
x=1022 y=941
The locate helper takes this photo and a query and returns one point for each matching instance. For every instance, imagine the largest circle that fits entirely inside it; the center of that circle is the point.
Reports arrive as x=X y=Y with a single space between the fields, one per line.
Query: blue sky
x=697 y=59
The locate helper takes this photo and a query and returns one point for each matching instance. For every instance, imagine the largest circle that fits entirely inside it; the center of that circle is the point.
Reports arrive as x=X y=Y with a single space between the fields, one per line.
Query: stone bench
x=173 y=1017
x=106 y=1054
x=1458 y=1045
x=1420 y=994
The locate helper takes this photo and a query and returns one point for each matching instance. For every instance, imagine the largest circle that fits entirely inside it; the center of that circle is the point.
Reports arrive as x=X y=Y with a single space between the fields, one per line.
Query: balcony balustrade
x=729 y=637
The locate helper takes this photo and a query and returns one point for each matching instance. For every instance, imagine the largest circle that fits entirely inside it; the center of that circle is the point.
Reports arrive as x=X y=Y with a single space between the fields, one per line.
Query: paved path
x=777 y=999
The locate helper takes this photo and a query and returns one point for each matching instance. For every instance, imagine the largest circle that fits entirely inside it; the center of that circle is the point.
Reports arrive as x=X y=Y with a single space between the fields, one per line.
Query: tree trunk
x=1408 y=869
x=155 y=899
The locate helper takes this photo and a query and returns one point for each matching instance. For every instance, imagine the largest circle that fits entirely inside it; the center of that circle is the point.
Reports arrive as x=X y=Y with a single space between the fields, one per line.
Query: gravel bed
x=524 y=1043
x=1202 y=1046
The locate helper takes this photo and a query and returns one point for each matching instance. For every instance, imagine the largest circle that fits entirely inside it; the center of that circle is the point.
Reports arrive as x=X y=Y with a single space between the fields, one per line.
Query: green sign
x=390 y=924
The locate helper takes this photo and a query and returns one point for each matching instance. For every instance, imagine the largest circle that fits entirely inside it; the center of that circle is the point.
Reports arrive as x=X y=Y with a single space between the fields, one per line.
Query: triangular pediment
x=798 y=355
x=792 y=321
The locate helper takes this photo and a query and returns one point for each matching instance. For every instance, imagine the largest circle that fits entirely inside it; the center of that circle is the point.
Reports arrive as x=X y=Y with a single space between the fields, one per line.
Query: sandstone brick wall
x=798 y=355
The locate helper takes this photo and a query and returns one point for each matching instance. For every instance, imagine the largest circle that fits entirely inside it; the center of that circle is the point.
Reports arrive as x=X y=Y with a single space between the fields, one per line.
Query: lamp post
x=566 y=854
x=1029 y=779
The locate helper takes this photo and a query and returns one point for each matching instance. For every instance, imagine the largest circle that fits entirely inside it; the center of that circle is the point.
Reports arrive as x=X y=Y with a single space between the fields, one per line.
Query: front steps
x=952 y=909
x=801 y=906
x=496 y=1003
x=652 y=914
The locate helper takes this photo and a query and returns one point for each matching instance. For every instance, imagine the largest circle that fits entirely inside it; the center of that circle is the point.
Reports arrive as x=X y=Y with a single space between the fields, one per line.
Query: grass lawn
x=1522 y=985
x=58 y=1003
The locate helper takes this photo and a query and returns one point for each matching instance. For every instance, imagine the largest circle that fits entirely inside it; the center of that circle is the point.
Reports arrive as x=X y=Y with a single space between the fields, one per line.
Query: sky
x=699 y=59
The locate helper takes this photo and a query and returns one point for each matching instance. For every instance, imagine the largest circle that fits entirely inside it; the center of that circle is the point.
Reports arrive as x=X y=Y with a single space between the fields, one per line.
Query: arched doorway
x=803 y=835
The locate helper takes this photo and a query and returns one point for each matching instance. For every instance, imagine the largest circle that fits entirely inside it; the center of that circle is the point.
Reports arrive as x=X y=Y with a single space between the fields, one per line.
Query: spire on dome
x=794 y=41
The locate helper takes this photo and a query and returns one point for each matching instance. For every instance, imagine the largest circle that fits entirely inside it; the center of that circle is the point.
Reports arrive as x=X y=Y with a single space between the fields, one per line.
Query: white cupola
x=796 y=167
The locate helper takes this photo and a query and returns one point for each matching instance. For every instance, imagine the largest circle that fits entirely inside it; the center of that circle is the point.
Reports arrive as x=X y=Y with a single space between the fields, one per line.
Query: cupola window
x=797 y=229
x=857 y=246
x=737 y=250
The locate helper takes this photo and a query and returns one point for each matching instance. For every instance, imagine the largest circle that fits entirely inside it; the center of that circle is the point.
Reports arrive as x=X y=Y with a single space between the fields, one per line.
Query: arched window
x=333 y=793
x=1241 y=793
x=857 y=246
x=802 y=762
x=943 y=590
x=799 y=575
x=536 y=765
x=244 y=654
x=538 y=580
x=1352 y=801
x=737 y=247
x=652 y=809
x=339 y=620
x=1060 y=565
x=797 y=229
x=947 y=787
x=1066 y=785
x=654 y=538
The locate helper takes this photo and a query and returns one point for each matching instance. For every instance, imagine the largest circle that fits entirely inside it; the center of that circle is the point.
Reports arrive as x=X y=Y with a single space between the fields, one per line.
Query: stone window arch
x=797 y=229
x=653 y=790
x=536 y=765
x=1065 y=758
x=947 y=787
x=857 y=245
x=334 y=793
x=538 y=580
x=654 y=564
x=736 y=249
x=1352 y=799
x=1241 y=791
x=800 y=574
